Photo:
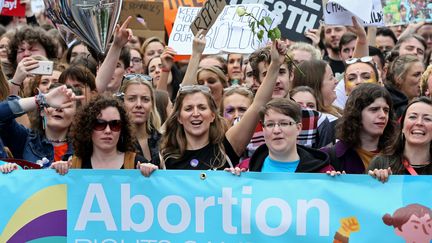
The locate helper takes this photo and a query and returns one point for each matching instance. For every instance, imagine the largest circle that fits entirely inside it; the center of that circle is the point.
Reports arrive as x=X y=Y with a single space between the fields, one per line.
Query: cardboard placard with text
x=230 y=33
x=207 y=15
x=339 y=12
x=297 y=16
x=171 y=8
x=148 y=18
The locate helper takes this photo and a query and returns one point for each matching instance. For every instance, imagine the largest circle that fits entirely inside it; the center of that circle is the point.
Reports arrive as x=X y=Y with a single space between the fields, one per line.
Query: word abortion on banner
x=89 y=206
x=297 y=16
x=230 y=33
x=207 y=15
x=401 y=12
x=339 y=12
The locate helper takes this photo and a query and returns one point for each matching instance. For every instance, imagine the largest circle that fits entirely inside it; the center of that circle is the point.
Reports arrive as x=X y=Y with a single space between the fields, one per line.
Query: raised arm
x=106 y=70
x=361 y=48
x=198 y=47
x=240 y=134
x=167 y=60
x=23 y=68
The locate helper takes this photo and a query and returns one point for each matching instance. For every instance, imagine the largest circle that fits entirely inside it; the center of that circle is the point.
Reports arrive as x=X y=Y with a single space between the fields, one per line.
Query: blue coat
x=24 y=143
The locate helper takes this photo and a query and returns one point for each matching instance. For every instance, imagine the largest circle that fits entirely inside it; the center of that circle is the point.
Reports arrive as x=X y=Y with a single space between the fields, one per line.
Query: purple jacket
x=345 y=158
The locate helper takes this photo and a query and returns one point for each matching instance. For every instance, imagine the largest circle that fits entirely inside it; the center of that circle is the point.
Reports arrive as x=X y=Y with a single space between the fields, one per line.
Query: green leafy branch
x=259 y=28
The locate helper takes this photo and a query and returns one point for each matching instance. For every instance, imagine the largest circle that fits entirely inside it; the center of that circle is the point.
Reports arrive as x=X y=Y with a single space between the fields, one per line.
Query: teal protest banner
x=193 y=206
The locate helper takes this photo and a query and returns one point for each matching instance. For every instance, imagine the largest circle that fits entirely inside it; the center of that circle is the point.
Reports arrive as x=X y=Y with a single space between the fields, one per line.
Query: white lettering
x=227 y=201
x=324 y=216
x=286 y=216
x=246 y=206
x=127 y=203
x=185 y=214
x=105 y=215
x=200 y=207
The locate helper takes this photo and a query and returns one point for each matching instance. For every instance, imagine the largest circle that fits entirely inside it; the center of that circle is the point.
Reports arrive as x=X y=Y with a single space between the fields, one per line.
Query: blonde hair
x=424 y=80
x=154 y=121
x=222 y=77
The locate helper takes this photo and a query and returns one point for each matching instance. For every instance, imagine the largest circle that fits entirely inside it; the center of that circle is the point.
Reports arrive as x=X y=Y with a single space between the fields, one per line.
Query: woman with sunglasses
x=48 y=140
x=198 y=138
x=411 y=152
x=140 y=104
x=365 y=128
x=102 y=137
x=403 y=81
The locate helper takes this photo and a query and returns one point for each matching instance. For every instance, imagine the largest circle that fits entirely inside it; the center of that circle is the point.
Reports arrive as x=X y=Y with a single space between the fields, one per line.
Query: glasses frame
x=114 y=125
x=366 y=59
x=279 y=124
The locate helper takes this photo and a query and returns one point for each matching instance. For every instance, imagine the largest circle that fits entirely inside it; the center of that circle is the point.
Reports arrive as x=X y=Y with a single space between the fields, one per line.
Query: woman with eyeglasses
x=136 y=62
x=410 y=153
x=366 y=127
x=102 y=137
x=49 y=139
x=197 y=137
x=281 y=119
x=140 y=104
x=403 y=81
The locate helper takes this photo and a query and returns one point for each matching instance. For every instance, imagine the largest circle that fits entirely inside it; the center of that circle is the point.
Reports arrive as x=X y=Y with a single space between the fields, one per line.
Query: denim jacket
x=24 y=143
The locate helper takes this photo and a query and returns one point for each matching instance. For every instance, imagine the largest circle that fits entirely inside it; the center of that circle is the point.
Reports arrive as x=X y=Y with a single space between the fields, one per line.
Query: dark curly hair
x=31 y=34
x=349 y=126
x=82 y=128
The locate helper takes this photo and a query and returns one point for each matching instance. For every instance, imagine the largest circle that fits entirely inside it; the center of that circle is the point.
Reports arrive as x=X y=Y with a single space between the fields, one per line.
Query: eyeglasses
x=100 y=125
x=189 y=88
x=142 y=77
x=280 y=124
x=353 y=60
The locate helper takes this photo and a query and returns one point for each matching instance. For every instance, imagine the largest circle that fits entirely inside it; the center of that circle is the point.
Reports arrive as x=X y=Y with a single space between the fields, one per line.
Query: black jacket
x=311 y=160
x=400 y=101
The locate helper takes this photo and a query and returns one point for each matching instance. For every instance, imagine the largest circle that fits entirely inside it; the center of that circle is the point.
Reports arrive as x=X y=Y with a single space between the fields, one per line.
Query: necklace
x=58 y=140
x=420 y=166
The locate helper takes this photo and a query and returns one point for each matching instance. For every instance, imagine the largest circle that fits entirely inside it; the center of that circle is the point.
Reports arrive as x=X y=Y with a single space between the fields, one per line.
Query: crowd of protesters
x=352 y=100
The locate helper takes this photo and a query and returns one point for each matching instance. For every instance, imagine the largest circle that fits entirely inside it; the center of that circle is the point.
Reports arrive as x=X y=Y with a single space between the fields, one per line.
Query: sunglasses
x=100 y=125
x=142 y=77
x=367 y=59
x=190 y=88
x=236 y=87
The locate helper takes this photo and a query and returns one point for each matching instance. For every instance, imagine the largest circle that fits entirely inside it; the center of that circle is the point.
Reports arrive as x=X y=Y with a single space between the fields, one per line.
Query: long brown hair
x=174 y=142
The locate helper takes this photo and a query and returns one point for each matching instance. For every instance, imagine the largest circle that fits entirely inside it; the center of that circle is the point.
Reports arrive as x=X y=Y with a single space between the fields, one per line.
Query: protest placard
x=397 y=12
x=37 y=6
x=207 y=15
x=171 y=9
x=230 y=33
x=339 y=12
x=12 y=8
x=296 y=16
x=148 y=18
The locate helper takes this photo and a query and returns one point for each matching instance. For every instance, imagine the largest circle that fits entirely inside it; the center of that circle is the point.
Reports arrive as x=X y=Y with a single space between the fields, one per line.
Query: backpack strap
x=334 y=160
x=129 y=160
x=76 y=163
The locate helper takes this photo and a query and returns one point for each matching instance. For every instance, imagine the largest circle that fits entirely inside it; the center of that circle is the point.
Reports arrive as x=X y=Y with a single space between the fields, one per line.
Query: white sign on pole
x=230 y=33
x=339 y=12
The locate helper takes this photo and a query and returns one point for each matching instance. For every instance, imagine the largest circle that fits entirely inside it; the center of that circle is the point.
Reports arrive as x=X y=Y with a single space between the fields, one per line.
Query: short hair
x=303 y=46
x=79 y=74
x=349 y=126
x=284 y=106
x=346 y=38
x=407 y=37
x=387 y=32
x=148 y=41
x=373 y=51
x=31 y=34
x=263 y=55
